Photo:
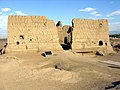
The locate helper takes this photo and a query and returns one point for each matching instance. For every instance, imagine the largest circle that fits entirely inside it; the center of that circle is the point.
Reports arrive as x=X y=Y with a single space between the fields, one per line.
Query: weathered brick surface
x=67 y=33
x=60 y=32
x=36 y=33
x=32 y=33
x=64 y=32
x=87 y=34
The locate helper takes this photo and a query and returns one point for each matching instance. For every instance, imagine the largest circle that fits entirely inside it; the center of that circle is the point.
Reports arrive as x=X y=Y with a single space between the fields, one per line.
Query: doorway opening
x=65 y=40
x=100 y=43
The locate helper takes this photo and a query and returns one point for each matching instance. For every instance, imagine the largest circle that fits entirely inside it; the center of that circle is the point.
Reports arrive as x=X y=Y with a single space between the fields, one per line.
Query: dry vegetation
x=28 y=71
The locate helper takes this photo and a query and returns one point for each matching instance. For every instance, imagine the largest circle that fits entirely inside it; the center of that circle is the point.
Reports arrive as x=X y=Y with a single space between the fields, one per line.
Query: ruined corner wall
x=60 y=32
x=89 y=34
x=32 y=33
x=67 y=30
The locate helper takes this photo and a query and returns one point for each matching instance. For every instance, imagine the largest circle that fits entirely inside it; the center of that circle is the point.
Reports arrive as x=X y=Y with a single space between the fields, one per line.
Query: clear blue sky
x=63 y=10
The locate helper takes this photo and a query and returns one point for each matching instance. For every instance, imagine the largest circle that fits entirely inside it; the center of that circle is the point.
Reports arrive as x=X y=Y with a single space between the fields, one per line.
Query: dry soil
x=64 y=70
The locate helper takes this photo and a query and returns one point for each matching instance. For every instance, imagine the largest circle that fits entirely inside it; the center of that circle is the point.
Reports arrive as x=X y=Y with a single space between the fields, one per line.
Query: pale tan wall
x=87 y=34
x=66 y=33
x=39 y=34
x=65 y=30
x=60 y=34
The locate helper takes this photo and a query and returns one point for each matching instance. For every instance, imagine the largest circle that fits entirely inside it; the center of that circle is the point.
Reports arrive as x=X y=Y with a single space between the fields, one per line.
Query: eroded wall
x=32 y=33
x=60 y=32
x=36 y=33
x=67 y=34
x=90 y=34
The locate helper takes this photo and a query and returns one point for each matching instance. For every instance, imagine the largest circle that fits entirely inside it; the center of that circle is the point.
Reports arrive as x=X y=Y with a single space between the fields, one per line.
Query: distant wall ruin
x=32 y=33
x=64 y=33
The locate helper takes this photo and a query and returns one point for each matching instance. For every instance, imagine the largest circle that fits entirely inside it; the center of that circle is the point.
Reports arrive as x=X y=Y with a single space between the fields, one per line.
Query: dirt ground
x=64 y=70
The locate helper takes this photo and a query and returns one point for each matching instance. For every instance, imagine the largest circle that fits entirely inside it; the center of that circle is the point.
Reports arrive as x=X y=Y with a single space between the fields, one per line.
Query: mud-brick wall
x=64 y=33
x=32 y=33
x=60 y=34
x=88 y=33
x=67 y=34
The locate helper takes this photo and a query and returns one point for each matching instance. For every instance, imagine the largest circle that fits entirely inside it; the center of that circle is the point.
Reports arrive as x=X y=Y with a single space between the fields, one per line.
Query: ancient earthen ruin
x=85 y=35
x=36 y=33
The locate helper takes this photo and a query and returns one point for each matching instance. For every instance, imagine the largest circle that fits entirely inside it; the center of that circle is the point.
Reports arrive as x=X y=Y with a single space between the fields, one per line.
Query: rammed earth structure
x=37 y=33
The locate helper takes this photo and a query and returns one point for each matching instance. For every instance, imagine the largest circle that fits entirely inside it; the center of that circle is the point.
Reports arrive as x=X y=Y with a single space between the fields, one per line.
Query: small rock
x=100 y=53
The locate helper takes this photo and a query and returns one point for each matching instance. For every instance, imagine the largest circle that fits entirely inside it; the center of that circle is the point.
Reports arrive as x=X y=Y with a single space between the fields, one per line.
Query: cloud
x=3 y=26
x=87 y=9
x=0 y=13
x=93 y=13
x=109 y=23
x=19 y=13
x=98 y=14
x=5 y=9
x=4 y=19
x=114 y=26
x=117 y=12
